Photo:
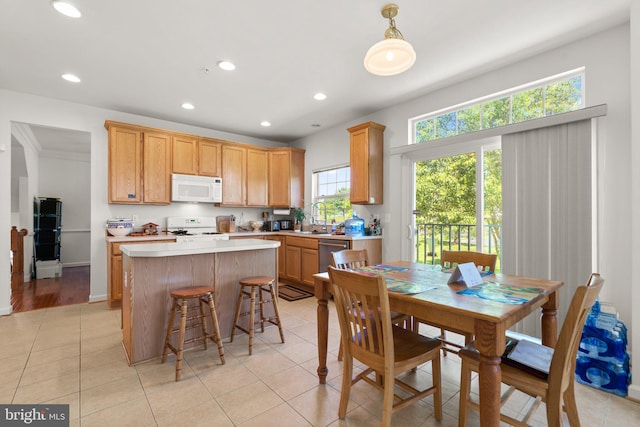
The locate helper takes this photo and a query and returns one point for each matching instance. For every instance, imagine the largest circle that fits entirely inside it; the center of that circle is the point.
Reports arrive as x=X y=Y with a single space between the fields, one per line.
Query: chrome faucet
x=324 y=227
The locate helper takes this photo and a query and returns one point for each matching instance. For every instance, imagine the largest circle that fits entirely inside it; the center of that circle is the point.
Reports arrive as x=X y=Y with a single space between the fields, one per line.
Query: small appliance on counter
x=189 y=229
x=286 y=224
x=272 y=226
x=226 y=224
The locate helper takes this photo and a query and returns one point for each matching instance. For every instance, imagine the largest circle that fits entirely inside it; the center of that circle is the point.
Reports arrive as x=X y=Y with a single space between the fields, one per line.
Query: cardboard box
x=48 y=269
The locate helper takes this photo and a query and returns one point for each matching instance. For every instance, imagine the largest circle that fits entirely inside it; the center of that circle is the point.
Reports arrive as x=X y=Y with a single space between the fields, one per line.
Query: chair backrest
x=363 y=310
x=350 y=259
x=485 y=262
x=563 y=363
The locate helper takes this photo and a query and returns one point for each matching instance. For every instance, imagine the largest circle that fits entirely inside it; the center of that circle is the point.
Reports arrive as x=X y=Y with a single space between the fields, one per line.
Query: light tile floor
x=73 y=355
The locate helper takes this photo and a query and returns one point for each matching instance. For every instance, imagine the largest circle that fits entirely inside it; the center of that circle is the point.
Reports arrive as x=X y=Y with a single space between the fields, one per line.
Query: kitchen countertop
x=169 y=236
x=193 y=248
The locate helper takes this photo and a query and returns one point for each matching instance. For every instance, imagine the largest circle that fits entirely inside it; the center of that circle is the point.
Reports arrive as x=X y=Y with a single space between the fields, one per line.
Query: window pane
x=322 y=178
x=446 y=125
x=424 y=130
x=496 y=113
x=322 y=190
x=563 y=96
x=528 y=105
x=469 y=119
x=342 y=174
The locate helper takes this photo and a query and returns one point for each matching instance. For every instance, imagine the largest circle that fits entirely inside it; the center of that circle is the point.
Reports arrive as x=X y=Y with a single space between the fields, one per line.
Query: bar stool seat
x=248 y=288
x=190 y=318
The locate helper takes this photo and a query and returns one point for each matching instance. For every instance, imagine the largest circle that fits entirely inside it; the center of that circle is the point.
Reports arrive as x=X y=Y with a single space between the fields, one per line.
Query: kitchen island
x=152 y=271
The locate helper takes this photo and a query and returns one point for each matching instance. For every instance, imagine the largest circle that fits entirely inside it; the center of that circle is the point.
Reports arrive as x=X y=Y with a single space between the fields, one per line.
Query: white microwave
x=192 y=188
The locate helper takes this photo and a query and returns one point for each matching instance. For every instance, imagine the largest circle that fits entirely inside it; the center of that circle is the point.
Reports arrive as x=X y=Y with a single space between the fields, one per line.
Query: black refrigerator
x=47 y=225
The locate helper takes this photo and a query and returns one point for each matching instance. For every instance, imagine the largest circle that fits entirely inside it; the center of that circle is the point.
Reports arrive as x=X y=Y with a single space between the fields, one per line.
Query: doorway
x=458 y=202
x=52 y=162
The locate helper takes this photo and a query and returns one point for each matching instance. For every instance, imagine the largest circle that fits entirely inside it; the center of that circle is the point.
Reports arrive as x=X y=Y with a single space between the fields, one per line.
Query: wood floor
x=71 y=288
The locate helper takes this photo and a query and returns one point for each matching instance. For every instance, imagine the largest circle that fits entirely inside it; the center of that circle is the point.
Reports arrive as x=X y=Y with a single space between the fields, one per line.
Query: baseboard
x=634 y=392
x=76 y=264
x=5 y=311
x=97 y=298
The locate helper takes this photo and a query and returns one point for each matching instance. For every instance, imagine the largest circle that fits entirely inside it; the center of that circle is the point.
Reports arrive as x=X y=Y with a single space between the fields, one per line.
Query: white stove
x=194 y=229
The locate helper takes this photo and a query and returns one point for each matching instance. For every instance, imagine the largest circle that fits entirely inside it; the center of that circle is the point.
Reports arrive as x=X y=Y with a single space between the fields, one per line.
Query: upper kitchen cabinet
x=366 y=161
x=139 y=165
x=209 y=157
x=286 y=177
x=156 y=167
x=125 y=165
x=234 y=175
x=185 y=155
x=257 y=177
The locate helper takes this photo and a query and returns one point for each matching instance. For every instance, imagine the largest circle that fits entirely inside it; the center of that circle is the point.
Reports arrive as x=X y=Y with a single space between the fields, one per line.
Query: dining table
x=486 y=310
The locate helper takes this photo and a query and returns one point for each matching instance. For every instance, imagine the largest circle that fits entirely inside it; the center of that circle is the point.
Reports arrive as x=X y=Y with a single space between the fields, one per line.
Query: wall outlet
x=134 y=218
x=387 y=218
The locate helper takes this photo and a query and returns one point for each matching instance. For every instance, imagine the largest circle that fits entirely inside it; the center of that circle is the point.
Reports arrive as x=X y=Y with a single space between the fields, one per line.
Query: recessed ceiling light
x=188 y=106
x=315 y=125
x=66 y=8
x=265 y=123
x=320 y=96
x=226 y=65
x=71 y=78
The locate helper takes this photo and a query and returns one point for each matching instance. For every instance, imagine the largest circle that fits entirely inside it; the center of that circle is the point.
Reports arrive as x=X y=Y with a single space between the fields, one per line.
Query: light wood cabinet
x=257 y=177
x=286 y=178
x=185 y=155
x=209 y=157
x=125 y=165
x=114 y=269
x=139 y=166
x=366 y=161
x=234 y=175
x=156 y=168
x=301 y=255
x=142 y=159
x=281 y=254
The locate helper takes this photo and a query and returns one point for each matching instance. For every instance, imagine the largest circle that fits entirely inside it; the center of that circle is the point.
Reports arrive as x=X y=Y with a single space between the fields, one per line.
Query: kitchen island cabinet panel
x=149 y=281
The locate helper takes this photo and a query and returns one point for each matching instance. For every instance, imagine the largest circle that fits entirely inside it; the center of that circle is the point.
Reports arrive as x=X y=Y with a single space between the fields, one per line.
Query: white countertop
x=192 y=248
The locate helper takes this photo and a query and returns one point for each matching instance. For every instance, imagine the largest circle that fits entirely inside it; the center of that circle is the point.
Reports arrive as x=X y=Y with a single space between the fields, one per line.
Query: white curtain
x=547 y=209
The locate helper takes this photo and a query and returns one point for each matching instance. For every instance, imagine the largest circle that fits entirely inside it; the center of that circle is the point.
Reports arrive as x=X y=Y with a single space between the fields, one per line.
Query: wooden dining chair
x=387 y=350
x=558 y=386
x=350 y=259
x=449 y=260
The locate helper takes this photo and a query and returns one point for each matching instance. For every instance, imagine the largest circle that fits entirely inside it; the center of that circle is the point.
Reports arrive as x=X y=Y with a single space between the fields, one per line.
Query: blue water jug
x=354 y=226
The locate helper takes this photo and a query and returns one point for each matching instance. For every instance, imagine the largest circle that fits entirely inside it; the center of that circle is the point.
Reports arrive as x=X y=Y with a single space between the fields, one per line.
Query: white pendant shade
x=389 y=57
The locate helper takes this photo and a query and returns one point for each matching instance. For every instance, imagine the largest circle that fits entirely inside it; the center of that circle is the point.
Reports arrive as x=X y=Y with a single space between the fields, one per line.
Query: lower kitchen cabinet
x=281 y=254
x=301 y=259
x=114 y=270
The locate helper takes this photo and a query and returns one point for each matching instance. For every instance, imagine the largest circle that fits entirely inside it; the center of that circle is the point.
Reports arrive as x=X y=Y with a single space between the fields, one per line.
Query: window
x=331 y=195
x=557 y=94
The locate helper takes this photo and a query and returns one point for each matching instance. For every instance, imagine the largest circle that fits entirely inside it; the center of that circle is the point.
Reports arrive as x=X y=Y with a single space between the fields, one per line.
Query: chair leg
x=465 y=389
x=443 y=337
x=570 y=405
x=252 y=318
x=274 y=299
x=216 y=327
x=437 y=383
x=202 y=323
x=237 y=316
x=183 y=325
x=347 y=374
x=340 y=352
x=387 y=401
x=169 y=329
x=554 y=410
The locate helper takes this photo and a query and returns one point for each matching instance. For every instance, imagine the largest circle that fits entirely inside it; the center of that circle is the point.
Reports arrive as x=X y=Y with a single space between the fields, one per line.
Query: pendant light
x=394 y=54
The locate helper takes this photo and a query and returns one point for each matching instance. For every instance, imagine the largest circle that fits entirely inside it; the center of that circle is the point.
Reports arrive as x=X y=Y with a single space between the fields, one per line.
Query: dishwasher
x=325 y=247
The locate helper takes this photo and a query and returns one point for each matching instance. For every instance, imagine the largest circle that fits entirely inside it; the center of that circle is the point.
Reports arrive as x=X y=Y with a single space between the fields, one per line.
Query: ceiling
x=147 y=57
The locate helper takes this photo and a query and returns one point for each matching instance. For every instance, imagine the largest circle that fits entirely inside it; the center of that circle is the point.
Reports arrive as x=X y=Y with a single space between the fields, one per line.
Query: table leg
x=321 y=290
x=550 y=321
x=490 y=342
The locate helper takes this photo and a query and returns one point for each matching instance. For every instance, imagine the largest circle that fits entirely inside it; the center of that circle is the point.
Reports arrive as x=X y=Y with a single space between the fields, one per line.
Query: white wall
x=25 y=108
x=70 y=181
x=606 y=57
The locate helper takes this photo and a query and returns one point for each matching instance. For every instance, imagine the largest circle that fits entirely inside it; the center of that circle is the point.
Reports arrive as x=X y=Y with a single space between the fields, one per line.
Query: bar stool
x=191 y=317
x=248 y=288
